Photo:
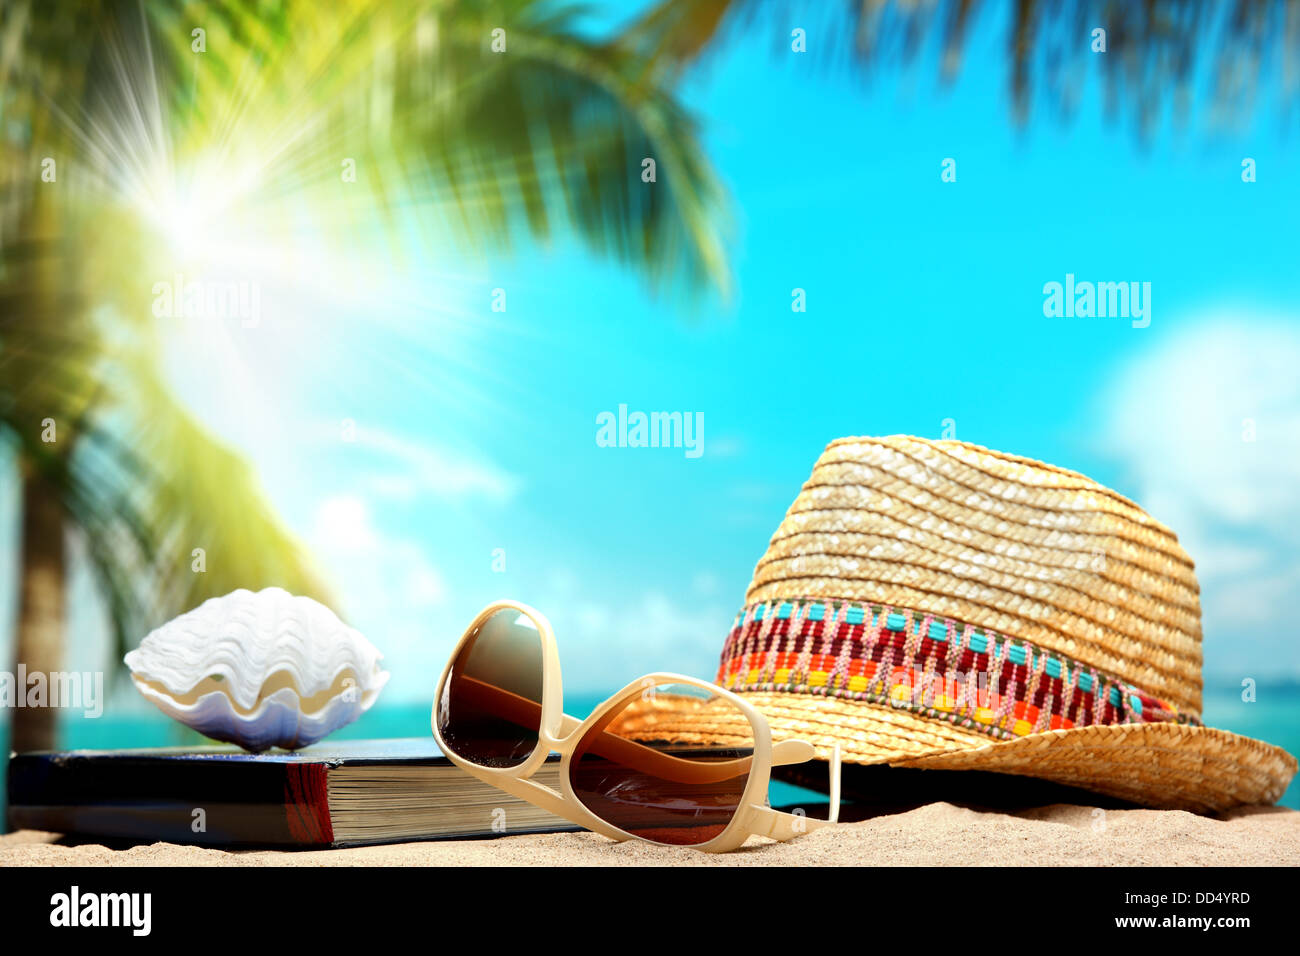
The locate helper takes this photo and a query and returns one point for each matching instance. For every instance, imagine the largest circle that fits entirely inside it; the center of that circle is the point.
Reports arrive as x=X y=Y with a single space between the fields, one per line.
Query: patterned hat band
x=930 y=665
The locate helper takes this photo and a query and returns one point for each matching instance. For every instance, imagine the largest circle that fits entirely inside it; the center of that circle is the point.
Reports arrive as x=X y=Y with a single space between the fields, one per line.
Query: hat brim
x=1162 y=765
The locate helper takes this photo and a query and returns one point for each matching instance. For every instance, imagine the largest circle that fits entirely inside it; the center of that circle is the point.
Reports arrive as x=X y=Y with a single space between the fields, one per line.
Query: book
x=349 y=793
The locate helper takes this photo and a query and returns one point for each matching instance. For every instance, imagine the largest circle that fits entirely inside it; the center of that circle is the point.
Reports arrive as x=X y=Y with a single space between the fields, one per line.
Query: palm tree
x=532 y=130
x=1153 y=49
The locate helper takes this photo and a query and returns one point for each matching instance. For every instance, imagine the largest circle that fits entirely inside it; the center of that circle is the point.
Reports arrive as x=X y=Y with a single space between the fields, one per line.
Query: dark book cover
x=213 y=796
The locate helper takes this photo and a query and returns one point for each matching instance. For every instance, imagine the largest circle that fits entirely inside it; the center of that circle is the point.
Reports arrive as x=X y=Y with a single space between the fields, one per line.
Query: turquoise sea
x=1274 y=716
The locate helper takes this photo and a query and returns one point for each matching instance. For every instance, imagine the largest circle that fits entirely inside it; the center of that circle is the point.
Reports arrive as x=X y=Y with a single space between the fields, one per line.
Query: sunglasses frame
x=561 y=733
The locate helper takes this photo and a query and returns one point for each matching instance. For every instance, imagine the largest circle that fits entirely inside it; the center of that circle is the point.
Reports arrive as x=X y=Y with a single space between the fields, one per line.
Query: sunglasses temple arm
x=798 y=751
x=777 y=825
x=835 y=785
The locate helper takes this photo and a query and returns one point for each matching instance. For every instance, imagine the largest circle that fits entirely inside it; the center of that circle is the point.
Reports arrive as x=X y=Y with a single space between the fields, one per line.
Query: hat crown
x=1026 y=549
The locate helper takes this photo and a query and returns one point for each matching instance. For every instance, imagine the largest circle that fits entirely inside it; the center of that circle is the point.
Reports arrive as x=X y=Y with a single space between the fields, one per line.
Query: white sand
x=939 y=833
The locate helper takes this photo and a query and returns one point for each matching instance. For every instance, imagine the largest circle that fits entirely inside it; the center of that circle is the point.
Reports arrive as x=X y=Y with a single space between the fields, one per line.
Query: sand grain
x=939 y=833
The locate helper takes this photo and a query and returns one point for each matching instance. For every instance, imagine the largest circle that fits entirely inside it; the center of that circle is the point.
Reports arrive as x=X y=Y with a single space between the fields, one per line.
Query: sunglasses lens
x=490 y=710
x=633 y=770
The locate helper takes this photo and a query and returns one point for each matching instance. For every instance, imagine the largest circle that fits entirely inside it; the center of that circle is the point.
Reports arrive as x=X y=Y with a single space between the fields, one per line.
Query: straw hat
x=935 y=604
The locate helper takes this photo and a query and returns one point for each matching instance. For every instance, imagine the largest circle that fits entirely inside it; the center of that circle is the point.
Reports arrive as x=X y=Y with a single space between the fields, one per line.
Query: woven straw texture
x=1029 y=550
x=999 y=541
x=1169 y=766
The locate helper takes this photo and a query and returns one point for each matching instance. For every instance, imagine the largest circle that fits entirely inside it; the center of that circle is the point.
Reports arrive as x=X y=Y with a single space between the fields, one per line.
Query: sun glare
x=263 y=259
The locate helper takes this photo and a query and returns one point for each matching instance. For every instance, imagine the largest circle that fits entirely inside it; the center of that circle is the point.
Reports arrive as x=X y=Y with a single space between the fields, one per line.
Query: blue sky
x=475 y=430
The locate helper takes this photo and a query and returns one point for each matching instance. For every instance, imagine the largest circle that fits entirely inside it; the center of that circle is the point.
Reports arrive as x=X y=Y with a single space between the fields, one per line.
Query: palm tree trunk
x=40 y=607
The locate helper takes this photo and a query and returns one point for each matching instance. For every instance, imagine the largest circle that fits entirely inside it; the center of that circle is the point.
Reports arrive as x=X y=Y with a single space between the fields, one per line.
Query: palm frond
x=484 y=147
x=1154 y=49
x=541 y=141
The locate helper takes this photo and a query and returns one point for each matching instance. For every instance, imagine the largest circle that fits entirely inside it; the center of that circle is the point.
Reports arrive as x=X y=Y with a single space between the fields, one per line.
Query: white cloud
x=368 y=561
x=387 y=586
x=343 y=526
x=1181 y=418
x=606 y=643
x=416 y=468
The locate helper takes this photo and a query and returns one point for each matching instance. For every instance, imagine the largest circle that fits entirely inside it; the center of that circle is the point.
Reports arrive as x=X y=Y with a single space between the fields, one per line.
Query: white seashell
x=264 y=669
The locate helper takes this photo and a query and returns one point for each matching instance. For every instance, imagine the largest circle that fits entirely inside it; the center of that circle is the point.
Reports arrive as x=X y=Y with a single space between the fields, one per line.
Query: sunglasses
x=498 y=713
